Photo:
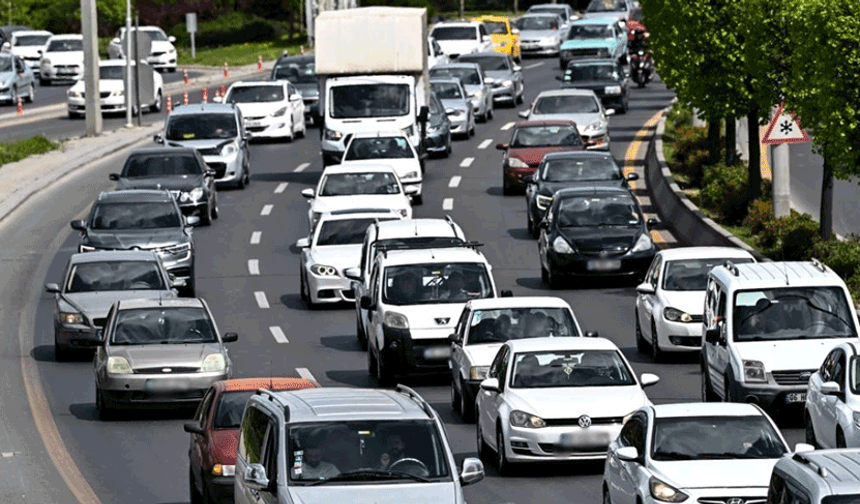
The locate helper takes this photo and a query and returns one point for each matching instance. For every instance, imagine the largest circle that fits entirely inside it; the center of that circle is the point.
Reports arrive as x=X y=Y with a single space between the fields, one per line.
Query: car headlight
x=71 y=318
x=523 y=419
x=280 y=112
x=410 y=175
x=409 y=130
x=323 y=270
x=665 y=492
x=395 y=320
x=86 y=248
x=116 y=92
x=214 y=362
x=45 y=62
x=561 y=246
x=754 y=371
x=332 y=135
x=195 y=194
x=230 y=148
x=517 y=163
x=594 y=127
x=507 y=83
x=612 y=90
x=857 y=419
x=455 y=112
x=477 y=95
x=643 y=243
x=223 y=470
x=676 y=315
x=118 y=365
x=178 y=249
x=74 y=94
x=478 y=372
x=543 y=202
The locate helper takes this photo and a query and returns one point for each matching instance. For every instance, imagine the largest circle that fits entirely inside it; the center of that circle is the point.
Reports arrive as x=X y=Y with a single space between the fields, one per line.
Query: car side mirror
x=472 y=471
x=115 y=40
x=454 y=338
x=559 y=78
x=713 y=336
x=632 y=176
x=192 y=220
x=78 y=225
x=248 y=136
x=157 y=138
x=295 y=97
x=410 y=190
x=255 y=477
x=302 y=243
x=627 y=453
x=515 y=31
x=645 y=288
x=490 y=385
x=52 y=287
x=424 y=114
x=524 y=114
x=308 y=193
x=171 y=39
x=490 y=80
x=193 y=428
x=506 y=293
x=517 y=68
x=831 y=388
x=114 y=176
x=210 y=173
x=39 y=51
x=648 y=379
x=230 y=337
x=486 y=38
x=803 y=447
x=367 y=303
x=502 y=146
x=609 y=112
x=652 y=223
x=217 y=99
x=177 y=282
x=592 y=334
x=353 y=274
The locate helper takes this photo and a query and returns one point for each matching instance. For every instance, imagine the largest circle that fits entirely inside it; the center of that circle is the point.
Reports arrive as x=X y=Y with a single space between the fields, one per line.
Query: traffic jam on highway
x=774 y=340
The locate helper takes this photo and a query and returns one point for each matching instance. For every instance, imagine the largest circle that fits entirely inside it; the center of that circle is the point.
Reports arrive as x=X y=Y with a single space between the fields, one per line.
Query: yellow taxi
x=505 y=37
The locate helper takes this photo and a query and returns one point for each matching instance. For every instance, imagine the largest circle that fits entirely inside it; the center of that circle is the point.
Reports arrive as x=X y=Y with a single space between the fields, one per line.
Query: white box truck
x=372 y=67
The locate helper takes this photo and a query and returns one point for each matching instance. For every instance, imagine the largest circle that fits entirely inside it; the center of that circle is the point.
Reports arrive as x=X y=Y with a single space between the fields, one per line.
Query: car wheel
x=306 y=292
x=371 y=363
x=383 y=376
x=507 y=190
x=467 y=404
x=418 y=200
x=102 y=409
x=206 y=216
x=240 y=184
x=549 y=278
x=490 y=112
x=360 y=336
x=641 y=344
x=74 y=115
x=190 y=289
x=304 y=130
x=156 y=105
x=44 y=82
x=656 y=353
x=708 y=394
x=727 y=395
x=448 y=148
x=483 y=449
x=606 y=498
x=196 y=497
x=520 y=99
x=61 y=354
x=530 y=225
x=31 y=95
x=502 y=464
x=840 y=438
x=14 y=95
x=456 y=403
x=214 y=213
x=809 y=430
x=481 y=118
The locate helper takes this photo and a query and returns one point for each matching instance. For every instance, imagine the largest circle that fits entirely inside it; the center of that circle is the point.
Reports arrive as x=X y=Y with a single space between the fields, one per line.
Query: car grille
x=220 y=169
x=311 y=100
x=255 y=129
x=697 y=318
x=33 y=58
x=584 y=53
x=189 y=395
x=561 y=422
x=734 y=500
x=157 y=54
x=255 y=118
x=689 y=341
x=792 y=377
x=103 y=94
x=99 y=322
x=551 y=448
x=73 y=68
x=530 y=41
x=603 y=252
x=210 y=151
x=160 y=370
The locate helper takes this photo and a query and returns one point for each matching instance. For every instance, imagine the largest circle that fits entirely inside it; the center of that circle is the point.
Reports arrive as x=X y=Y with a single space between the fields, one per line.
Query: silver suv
x=817 y=477
x=362 y=445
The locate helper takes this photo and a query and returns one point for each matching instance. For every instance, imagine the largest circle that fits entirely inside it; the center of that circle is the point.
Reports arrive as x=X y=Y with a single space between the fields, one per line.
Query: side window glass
x=721 y=305
x=827 y=367
x=253 y=434
x=838 y=374
x=503 y=369
x=363 y=262
x=270 y=453
x=202 y=413
x=496 y=366
x=625 y=437
x=374 y=282
x=463 y=323
x=639 y=434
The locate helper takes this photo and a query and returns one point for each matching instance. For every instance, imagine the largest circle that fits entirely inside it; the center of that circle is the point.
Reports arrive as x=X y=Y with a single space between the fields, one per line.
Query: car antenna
x=785 y=269
x=271 y=382
x=416 y=228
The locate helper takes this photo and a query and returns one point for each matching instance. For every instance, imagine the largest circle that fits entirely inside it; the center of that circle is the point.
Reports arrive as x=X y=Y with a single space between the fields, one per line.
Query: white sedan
x=364 y=186
x=334 y=246
x=62 y=59
x=392 y=149
x=556 y=399
x=694 y=452
x=832 y=410
x=671 y=300
x=270 y=109
x=112 y=90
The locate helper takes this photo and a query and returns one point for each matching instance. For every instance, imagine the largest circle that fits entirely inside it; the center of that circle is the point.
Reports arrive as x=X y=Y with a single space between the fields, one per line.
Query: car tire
x=657 y=355
x=306 y=292
x=531 y=226
x=214 y=212
x=606 y=498
x=190 y=289
x=360 y=336
x=483 y=448
x=507 y=190
x=502 y=465
x=206 y=216
x=456 y=402
x=102 y=410
x=549 y=278
x=44 y=82
x=74 y=115
x=371 y=363
x=727 y=391
x=240 y=184
x=448 y=149
x=519 y=100
x=156 y=105
x=809 y=430
x=641 y=344
x=417 y=200
x=31 y=95
x=490 y=112
x=708 y=394
x=196 y=497
x=840 y=438
x=467 y=404
x=61 y=354
x=384 y=377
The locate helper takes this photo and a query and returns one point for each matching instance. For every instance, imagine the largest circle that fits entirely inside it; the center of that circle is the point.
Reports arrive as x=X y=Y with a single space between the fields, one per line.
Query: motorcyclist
x=640 y=44
x=639 y=40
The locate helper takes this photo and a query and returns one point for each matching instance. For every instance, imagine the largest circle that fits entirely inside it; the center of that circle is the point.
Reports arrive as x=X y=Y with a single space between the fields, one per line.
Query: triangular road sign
x=784 y=128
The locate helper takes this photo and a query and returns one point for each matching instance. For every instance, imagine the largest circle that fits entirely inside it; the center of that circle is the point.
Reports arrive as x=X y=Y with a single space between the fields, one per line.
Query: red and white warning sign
x=784 y=128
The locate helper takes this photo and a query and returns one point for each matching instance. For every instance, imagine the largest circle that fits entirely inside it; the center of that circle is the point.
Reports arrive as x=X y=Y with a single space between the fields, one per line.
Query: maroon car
x=530 y=141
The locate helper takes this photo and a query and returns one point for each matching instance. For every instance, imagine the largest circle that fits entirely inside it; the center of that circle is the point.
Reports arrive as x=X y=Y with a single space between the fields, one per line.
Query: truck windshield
x=433 y=283
x=369 y=100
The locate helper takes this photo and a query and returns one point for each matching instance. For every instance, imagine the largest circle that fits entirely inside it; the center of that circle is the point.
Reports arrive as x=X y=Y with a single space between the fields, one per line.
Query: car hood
x=28 y=51
x=594 y=238
x=692 y=302
x=205 y=143
x=588 y=43
x=65 y=57
x=308 y=89
x=455 y=103
x=533 y=155
x=549 y=188
x=789 y=355
x=6 y=76
x=482 y=354
x=97 y=304
x=733 y=473
x=332 y=203
x=450 y=47
x=261 y=109
x=414 y=493
x=161 y=46
x=174 y=183
x=538 y=34
x=428 y=316
x=339 y=256
x=500 y=75
x=581 y=120
x=144 y=238
x=572 y=402
x=224 y=443
x=144 y=356
x=400 y=166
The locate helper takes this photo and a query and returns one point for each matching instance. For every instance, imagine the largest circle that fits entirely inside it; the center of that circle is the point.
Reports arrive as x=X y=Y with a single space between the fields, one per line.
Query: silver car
x=475 y=82
x=540 y=34
x=581 y=106
x=16 y=80
x=159 y=352
x=457 y=105
x=508 y=83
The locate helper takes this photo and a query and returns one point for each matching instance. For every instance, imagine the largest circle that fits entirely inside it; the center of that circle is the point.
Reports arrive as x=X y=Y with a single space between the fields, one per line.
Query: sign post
x=191 y=28
x=783 y=129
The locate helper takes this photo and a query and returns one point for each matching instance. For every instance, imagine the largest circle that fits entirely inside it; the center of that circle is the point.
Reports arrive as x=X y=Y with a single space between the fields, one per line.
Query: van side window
x=270 y=453
x=374 y=280
x=253 y=434
x=838 y=374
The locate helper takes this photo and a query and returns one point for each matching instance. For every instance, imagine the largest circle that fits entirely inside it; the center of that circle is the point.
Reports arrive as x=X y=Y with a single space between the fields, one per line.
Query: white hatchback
x=832 y=411
x=62 y=59
x=162 y=54
x=270 y=109
x=391 y=149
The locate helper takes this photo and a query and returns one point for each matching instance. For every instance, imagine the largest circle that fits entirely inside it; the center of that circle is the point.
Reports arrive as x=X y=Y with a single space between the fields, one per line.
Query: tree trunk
x=731 y=139
x=714 y=141
x=826 y=216
x=754 y=170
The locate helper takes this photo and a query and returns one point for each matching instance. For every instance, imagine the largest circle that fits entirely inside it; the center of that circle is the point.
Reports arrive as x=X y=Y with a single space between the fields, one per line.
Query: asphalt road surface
x=143 y=458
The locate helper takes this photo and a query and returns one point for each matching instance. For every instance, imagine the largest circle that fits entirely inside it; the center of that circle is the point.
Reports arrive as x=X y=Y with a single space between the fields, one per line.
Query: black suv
x=605 y=77
x=142 y=219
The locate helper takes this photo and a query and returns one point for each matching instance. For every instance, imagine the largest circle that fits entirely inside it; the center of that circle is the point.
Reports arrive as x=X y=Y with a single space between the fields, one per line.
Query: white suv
x=462 y=37
x=832 y=416
x=768 y=327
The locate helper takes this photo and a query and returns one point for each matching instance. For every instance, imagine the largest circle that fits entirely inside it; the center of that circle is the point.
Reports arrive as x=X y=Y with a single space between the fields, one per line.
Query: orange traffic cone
x=259 y=63
x=302 y=48
x=204 y=95
x=169 y=104
x=226 y=71
x=185 y=77
x=20 y=106
x=185 y=97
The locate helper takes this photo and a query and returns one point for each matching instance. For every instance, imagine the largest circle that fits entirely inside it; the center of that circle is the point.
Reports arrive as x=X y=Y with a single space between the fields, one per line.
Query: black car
x=594 y=231
x=7 y=31
x=301 y=71
x=561 y=170
x=438 y=140
x=142 y=219
x=180 y=170
x=605 y=77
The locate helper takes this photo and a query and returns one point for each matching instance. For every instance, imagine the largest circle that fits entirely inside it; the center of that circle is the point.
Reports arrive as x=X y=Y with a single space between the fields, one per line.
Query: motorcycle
x=641 y=67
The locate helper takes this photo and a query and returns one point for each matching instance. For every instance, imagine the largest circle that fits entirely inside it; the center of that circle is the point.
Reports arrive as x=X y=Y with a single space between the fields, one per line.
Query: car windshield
x=161 y=165
x=202 y=127
x=114 y=276
x=348 y=184
x=297 y=73
x=154 y=35
x=580 y=170
x=488 y=63
x=559 y=11
x=599 y=72
x=467 y=76
x=704 y=438
x=5 y=64
x=369 y=100
x=379 y=148
x=161 y=326
x=65 y=45
x=413 y=284
x=791 y=313
x=231 y=406
x=344 y=231
x=112 y=72
x=537 y=23
x=447 y=90
x=606 y=6
x=366 y=452
x=591 y=211
x=455 y=33
x=570 y=368
x=255 y=94
x=31 y=40
x=496 y=27
x=566 y=104
x=589 y=32
x=494 y=326
x=135 y=216
x=545 y=136
x=692 y=274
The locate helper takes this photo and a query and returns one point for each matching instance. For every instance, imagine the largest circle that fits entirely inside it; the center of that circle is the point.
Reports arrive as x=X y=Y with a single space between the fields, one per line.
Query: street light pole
x=128 y=123
x=89 y=24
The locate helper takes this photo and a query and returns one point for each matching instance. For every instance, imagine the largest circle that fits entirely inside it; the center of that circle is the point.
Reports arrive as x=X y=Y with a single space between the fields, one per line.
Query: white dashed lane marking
x=278 y=334
x=448 y=204
x=534 y=65
x=306 y=374
x=302 y=167
x=255 y=237
x=467 y=162
x=486 y=143
x=455 y=181
x=281 y=187
x=262 y=301
x=267 y=209
x=254 y=266
x=507 y=126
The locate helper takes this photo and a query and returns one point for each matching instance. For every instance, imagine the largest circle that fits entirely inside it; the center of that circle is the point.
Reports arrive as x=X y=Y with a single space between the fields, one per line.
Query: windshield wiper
x=370 y=474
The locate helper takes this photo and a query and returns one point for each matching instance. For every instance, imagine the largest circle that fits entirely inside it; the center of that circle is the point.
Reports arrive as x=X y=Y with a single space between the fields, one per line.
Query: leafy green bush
x=20 y=149
x=759 y=214
x=790 y=238
x=853 y=283
x=679 y=116
x=724 y=191
x=842 y=256
x=231 y=29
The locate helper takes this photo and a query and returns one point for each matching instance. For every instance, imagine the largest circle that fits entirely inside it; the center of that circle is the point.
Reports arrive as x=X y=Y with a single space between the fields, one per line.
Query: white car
x=486 y=324
x=392 y=149
x=271 y=109
x=62 y=59
x=334 y=246
x=358 y=186
x=556 y=399
x=671 y=300
x=581 y=106
x=112 y=90
x=462 y=37
x=29 y=46
x=435 y=54
x=162 y=51
x=693 y=452
x=832 y=412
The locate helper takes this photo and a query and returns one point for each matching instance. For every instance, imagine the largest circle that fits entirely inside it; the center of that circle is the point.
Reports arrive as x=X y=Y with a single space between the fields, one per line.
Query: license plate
x=604 y=265
x=437 y=353
x=253 y=124
x=528 y=46
x=795 y=397
x=163 y=385
x=65 y=72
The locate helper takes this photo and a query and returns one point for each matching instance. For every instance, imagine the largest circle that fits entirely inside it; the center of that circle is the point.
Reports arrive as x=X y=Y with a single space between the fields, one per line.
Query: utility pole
x=781 y=181
x=462 y=8
x=89 y=27
x=137 y=66
x=128 y=123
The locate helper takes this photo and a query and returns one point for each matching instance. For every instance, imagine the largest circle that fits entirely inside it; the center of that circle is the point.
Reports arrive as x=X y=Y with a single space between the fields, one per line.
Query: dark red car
x=215 y=434
x=530 y=141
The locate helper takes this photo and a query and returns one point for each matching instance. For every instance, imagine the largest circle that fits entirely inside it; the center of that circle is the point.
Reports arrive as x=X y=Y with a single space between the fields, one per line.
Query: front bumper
x=62 y=74
x=197 y=208
x=599 y=141
x=459 y=123
x=401 y=352
x=75 y=336
x=748 y=494
x=539 y=48
x=269 y=127
x=329 y=289
x=228 y=169
x=553 y=443
x=34 y=65
x=162 y=61
x=479 y=106
x=437 y=141
x=152 y=389
x=505 y=93
x=109 y=104
x=312 y=109
x=629 y=263
x=678 y=336
x=517 y=177
x=766 y=395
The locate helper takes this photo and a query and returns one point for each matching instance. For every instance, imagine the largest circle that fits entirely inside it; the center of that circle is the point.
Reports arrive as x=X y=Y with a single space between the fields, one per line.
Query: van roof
x=770 y=275
x=418 y=228
x=433 y=256
x=840 y=469
x=344 y=404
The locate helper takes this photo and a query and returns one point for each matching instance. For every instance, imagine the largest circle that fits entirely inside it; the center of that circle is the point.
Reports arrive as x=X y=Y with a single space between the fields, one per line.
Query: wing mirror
x=255 y=477
x=490 y=80
x=302 y=243
x=803 y=447
x=507 y=293
x=472 y=471
x=831 y=388
x=193 y=428
x=454 y=337
x=295 y=97
x=78 y=225
x=609 y=112
x=515 y=31
x=648 y=379
x=645 y=288
x=353 y=274
x=410 y=190
x=217 y=99
x=486 y=38
x=230 y=337
x=713 y=336
x=308 y=193
x=627 y=453
x=424 y=114
x=157 y=138
x=115 y=40
x=171 y=39
x=517 y=68
x=652 y=223
x=52 y=287
x=502 y=146
x=114 y=176
x=592 y=334
x=367 y=303
x=177 y=282
x=632 y=176
x=192 y=220
x=490 y=385
x=524 y=114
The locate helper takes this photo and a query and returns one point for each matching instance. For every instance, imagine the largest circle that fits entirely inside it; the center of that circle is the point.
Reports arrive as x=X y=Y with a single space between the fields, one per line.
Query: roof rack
x=403 y=389
x=274 y=398
x=732 y=268
x=384 y=249
x=818 y=265
x=803 y=459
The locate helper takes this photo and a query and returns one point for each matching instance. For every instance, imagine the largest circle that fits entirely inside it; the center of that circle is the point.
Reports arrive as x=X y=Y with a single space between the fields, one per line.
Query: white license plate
x=795 y=397
x=604 y=265
x=65 y=72
x=437 y=353
x=528 y=46
x=164 y=385
x=253 y=124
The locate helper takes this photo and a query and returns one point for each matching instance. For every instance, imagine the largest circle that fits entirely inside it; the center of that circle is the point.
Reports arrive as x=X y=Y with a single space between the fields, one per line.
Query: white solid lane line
x=534 y=65
x=467 y=162
x=278 y=334
x=267 y=209
x=262 y=301
x=306 y=374
x=448 y=204
x=281 y=187
x=507 y=126
x=254 y=266
x=455 y=181
x=255 y=237
x=486 y=143
x=302 y=167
